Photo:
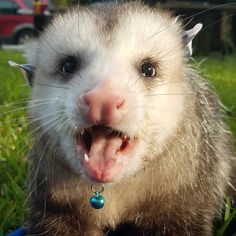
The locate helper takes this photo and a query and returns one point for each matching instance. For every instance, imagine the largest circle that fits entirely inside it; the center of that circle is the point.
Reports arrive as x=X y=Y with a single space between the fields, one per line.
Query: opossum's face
x=108 y=83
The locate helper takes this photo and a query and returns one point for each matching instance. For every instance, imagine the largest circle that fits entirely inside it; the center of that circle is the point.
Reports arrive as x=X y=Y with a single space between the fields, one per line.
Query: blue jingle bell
x=97 y=201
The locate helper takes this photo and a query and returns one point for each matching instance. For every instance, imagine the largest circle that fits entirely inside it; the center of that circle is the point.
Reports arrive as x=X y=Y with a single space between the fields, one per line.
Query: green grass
x=221 y=71
x=14 y=144
x=15 y=141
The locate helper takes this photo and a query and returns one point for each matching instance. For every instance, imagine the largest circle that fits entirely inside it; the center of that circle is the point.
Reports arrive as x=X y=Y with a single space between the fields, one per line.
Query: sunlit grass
x=14 y=144
x=221 y=71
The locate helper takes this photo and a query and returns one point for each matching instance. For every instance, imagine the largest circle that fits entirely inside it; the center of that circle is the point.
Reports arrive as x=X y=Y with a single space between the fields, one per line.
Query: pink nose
x=104 y=107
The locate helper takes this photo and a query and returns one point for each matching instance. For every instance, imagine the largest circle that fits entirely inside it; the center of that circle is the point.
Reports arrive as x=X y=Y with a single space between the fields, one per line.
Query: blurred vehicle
x=16 y=20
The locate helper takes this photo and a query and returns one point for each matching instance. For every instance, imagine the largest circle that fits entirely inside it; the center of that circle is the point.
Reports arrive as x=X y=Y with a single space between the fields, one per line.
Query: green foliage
x=15 y=140
x=62 y=3
x=221 y=72
x=14 y=144
x=228 y=218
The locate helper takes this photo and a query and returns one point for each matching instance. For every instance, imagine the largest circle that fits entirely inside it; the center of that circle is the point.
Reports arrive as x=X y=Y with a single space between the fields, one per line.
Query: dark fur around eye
x=68 y=65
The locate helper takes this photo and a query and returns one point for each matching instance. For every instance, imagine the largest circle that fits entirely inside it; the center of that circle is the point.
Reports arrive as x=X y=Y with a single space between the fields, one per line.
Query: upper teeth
x=108 y=131
x=86 y=158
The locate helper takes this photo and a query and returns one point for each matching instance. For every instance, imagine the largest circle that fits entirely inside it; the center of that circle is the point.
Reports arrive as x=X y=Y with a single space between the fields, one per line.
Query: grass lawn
x=14 y=144
x=15 y=141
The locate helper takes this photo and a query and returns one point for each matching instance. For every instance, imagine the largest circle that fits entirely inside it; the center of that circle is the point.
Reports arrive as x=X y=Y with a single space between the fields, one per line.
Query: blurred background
x=24 y=19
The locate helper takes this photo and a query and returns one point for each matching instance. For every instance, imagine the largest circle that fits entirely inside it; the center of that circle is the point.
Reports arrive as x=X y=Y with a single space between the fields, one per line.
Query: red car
x=16 y=20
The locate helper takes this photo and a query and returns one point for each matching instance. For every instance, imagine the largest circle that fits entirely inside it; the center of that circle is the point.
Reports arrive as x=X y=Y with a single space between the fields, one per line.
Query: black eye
x=148 y=69
x=68 y=66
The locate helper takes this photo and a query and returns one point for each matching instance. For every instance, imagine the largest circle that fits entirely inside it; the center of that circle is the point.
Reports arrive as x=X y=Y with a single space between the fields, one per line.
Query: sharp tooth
x=86 y=158
x=82 y=132
x=76 y=128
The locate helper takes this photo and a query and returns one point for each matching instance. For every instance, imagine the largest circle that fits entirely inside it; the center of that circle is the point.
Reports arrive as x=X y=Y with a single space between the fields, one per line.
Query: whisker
x=210 y=9
x=24 y=122
x=26 y=102
x=29 y=106
x=53 y=121
x=50 y=85
x=170 y=94
x=15 y=103
x=38 y=167
x=216 y=21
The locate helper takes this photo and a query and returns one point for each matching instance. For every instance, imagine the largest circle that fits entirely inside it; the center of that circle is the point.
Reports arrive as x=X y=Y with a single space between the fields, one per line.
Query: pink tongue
x=103 y=151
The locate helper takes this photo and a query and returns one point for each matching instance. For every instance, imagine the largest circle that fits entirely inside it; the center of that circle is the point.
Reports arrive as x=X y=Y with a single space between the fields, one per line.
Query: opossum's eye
x=68 y=65
x=148 y=69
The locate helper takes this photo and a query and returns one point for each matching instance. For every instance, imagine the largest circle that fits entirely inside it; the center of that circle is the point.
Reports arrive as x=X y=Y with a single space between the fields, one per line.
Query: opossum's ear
x=189 y=35
x=27 y=69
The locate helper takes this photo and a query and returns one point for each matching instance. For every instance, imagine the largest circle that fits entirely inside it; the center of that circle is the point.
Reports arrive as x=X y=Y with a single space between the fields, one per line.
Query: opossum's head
x=107 y=87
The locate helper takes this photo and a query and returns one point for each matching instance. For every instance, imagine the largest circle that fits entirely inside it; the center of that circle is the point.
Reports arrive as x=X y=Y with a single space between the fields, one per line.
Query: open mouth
x=105 y=151
x=86 y=136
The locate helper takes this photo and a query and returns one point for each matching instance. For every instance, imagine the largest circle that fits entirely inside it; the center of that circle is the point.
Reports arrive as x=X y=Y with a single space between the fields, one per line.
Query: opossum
x=117 y=108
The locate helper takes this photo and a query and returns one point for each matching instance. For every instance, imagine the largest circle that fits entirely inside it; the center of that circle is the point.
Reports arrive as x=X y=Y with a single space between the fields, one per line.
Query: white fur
x=136 y=36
